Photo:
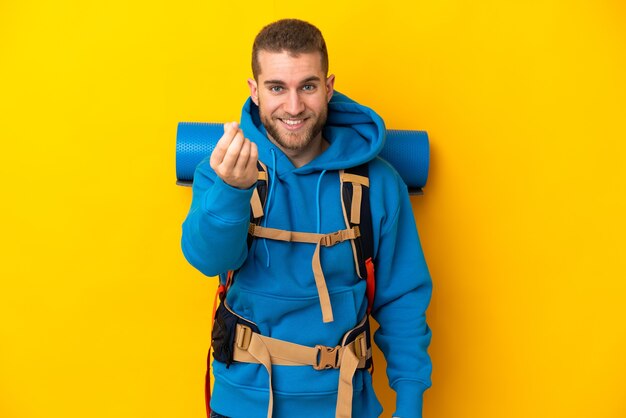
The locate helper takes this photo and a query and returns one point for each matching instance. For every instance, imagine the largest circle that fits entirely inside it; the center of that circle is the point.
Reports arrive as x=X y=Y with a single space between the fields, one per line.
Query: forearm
x=215 y=231
x=404 y=340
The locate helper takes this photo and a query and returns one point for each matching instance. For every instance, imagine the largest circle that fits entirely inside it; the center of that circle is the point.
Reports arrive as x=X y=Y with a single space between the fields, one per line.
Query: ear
x=330 y=87
x=254 y=91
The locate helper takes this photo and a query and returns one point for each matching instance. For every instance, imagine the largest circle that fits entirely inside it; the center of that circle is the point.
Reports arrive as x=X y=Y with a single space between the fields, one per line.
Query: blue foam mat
x=406 y=150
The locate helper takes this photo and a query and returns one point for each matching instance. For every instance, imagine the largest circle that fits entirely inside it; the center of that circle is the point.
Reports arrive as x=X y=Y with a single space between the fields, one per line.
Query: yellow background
x=522 y=221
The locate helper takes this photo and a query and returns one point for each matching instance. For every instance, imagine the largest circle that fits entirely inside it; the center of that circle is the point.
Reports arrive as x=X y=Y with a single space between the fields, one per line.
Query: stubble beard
x=293 y=141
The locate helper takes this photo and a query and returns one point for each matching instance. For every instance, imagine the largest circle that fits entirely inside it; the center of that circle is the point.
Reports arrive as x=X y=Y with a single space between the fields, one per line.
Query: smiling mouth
x=293 y=123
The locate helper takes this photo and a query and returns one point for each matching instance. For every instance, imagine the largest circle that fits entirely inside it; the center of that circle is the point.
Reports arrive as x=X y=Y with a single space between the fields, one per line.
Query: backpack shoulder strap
x=257 y=202
x=259 y=196
x=355 y=199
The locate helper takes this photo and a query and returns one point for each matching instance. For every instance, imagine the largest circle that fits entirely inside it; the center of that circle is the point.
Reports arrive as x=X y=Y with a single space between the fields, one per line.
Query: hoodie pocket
x=297 y=319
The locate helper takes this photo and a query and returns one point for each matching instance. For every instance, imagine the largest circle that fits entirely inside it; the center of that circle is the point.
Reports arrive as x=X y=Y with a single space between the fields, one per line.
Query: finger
x=244 y=155
x=232 y=154
x=231 y=125
x=254 y=157
x=221 y=147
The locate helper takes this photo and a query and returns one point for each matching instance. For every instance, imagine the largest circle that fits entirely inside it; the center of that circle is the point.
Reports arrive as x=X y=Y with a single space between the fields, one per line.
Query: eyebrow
x=306 y=80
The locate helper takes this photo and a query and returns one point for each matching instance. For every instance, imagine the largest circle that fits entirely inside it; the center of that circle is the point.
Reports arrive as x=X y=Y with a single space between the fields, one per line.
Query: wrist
x=409 y=398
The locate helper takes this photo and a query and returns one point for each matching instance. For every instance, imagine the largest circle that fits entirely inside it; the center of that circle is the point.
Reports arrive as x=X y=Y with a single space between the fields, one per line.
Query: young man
x=296 y=292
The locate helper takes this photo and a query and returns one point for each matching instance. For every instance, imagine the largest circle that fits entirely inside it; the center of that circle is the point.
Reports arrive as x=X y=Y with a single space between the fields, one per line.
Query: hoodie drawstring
x=272 y=173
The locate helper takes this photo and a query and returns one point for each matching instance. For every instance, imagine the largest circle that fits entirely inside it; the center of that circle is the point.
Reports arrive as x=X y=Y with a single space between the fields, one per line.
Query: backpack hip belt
x=237 y=339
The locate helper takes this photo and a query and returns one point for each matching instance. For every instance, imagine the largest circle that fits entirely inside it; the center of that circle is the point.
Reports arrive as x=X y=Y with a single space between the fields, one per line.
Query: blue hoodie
x=275 y=288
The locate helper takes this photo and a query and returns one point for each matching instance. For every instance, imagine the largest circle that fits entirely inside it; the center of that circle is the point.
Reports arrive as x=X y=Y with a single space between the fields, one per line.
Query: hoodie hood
x=355 y=132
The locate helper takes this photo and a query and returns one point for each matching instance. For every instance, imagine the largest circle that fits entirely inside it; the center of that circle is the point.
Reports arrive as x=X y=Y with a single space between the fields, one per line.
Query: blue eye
x=276 y=89
x=308 y=87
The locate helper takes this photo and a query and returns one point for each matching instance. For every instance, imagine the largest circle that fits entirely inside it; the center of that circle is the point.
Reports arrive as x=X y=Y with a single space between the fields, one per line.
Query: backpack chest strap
x=325 y=240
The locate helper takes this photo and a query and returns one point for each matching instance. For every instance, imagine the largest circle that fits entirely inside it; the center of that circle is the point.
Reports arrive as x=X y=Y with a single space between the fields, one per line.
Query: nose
x=294 y=104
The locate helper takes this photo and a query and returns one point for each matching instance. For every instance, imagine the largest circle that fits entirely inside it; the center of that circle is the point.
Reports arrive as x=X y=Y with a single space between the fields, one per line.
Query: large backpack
x=355 y=201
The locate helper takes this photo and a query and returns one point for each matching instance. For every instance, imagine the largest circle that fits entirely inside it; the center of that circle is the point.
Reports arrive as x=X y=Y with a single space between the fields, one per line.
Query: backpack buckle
x=360 y=346
x=327 y=357
x=333 y=238
x=243 y=337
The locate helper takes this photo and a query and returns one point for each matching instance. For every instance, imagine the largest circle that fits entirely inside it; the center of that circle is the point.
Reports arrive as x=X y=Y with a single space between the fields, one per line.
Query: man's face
x=292 y=93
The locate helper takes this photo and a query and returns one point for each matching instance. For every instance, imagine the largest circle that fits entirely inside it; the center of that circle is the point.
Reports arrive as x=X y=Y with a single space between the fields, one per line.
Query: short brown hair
x=291 y=35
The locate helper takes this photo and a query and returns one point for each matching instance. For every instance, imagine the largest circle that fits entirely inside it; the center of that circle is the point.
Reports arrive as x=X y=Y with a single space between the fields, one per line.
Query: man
x=279 y=334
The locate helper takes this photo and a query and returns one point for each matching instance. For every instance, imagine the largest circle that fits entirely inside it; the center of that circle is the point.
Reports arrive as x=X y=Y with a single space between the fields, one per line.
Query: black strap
x=364 y=243
x=261 y=187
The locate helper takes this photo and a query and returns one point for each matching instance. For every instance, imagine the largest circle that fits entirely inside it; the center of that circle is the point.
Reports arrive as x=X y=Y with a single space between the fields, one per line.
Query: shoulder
x=385 y=180
x=388 y=193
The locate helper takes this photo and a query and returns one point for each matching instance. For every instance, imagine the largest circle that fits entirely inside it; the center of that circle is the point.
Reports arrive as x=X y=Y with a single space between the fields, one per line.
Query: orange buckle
x=327 y=357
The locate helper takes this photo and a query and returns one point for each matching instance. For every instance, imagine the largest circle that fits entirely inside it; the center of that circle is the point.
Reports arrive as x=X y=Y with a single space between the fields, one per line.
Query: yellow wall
x=522 y=221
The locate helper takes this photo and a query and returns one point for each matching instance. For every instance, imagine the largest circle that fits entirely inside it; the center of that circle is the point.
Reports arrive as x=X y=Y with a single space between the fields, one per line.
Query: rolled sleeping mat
x=406 y=150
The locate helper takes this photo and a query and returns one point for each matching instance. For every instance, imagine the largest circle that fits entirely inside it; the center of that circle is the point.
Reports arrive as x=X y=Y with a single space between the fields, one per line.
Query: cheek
x=318 y=105
x=268 y=105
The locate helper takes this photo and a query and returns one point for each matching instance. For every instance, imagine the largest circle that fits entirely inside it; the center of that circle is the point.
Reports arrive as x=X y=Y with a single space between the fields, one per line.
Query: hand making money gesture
x=234 y=158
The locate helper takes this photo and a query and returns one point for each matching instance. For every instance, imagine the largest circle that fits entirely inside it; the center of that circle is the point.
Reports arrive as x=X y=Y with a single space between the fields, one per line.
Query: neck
x=304 y=156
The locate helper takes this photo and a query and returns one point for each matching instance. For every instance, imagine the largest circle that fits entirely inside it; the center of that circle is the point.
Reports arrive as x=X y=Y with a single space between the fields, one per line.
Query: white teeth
x=292 y=122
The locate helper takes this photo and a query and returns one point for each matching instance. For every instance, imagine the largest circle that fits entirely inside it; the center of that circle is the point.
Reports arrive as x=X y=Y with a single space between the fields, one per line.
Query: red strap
x=370 y=290
x=221 y=294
